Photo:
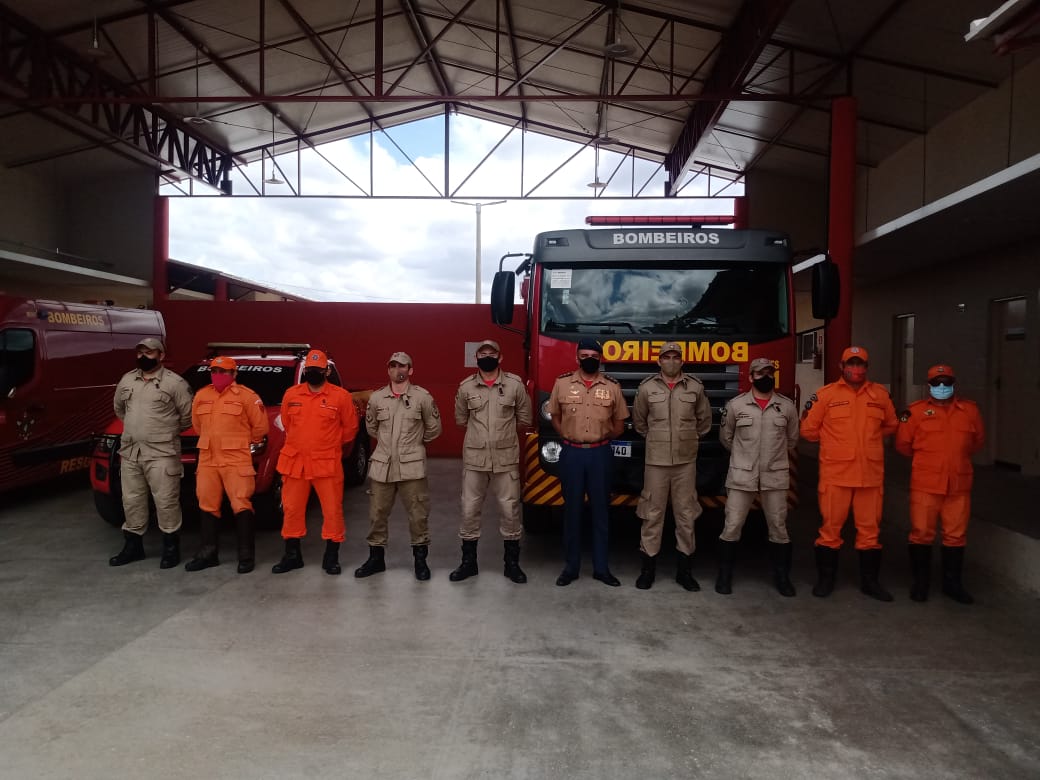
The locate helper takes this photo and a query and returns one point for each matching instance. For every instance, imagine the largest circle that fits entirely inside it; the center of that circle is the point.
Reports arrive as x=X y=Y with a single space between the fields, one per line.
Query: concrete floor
x=137 y=672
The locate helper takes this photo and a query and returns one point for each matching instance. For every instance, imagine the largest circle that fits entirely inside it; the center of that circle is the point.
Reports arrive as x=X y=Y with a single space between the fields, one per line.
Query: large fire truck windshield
x=746 y=300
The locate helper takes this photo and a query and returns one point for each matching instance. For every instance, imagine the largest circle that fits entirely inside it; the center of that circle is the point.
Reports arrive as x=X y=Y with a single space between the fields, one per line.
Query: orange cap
x=223 y=361
x=316 y=358
x=855 y=352
x=943 y=369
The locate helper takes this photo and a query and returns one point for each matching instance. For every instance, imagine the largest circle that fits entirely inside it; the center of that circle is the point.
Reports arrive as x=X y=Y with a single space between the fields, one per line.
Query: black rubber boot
x=826 y=570
x=133 y=550
x=468 y=567
x=208 y=554
x=727 y=555
x=293 y=558
x=376 y=563
x=419 y=552
x=869 y=567
x=171 y=550
x=648 y=573
x=780 y=558
x=920 y=570
x=330 y=560
x=683 y=573
x=952 y=564
x=245 y=536
x=511 y=556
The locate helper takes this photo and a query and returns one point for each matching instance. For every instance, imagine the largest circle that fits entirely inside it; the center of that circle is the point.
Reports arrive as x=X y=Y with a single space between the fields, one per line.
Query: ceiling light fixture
x=197 y=118
x=617 y=48
x=596 y=184
x=94 y=51
x=273 y=178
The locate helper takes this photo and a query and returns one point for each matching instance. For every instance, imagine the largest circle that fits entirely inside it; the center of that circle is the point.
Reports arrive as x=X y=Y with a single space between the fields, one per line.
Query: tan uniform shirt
x=491 y=415
x=758 y=440
x=401 y=425
x=154 y=411
x=587 y=414
x=672 y=420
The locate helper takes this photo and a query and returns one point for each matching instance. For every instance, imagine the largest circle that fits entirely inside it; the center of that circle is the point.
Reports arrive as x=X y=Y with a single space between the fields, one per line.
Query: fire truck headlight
x=551 y=451
x=546 y=415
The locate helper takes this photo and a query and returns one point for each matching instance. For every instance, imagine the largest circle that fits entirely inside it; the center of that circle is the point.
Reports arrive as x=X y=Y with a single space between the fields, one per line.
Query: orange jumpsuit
x=941 y=438
x=850 y=424
x=317 y=425
x=226 y=424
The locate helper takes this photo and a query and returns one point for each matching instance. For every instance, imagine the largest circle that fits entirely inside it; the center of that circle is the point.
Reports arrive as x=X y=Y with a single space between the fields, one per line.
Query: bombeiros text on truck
x=725 y=295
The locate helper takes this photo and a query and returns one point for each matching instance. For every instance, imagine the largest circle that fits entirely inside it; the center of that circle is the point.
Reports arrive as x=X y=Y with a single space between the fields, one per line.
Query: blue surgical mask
x=941 y=392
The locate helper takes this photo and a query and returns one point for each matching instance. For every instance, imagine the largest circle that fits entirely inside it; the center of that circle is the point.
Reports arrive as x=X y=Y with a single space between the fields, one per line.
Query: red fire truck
x=725 y=295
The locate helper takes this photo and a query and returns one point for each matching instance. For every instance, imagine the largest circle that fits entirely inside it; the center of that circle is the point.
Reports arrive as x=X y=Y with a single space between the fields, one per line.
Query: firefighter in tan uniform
x=490 y=405
x=759 y=428
x=228 y=418
x=154 y=404
x=672 y=411
x=587 y=410
x=403 y=418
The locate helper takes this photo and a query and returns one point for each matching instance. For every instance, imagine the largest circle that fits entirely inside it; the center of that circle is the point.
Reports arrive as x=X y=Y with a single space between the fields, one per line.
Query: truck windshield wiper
x=605 y=327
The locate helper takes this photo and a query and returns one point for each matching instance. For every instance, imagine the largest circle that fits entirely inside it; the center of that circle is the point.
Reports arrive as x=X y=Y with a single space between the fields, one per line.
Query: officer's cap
x=223 y=361
x=759 y=363
x=400 y=357
x=855 y=352
x=488 y=343
x=316 y=359
x=152 y=343
x=670 y=346
x=587 y=343
x=943 y=369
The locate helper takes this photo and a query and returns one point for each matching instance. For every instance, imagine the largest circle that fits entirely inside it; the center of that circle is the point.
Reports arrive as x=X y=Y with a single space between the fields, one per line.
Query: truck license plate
x=622 y=449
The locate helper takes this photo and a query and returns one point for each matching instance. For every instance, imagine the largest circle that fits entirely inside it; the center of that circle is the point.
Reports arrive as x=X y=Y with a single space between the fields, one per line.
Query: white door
x=904 y=388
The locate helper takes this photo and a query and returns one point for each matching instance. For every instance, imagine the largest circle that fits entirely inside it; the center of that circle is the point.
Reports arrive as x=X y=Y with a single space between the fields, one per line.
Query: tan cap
x=316 y=359
x=223 y=361
x=855 y=352
x=151 y=343
x=400 y=357
x=759 y=363
x=488 y=343
x=670 y=346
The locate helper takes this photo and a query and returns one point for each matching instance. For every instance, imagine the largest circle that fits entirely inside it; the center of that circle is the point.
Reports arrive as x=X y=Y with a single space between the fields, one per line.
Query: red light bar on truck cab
x=667 y=219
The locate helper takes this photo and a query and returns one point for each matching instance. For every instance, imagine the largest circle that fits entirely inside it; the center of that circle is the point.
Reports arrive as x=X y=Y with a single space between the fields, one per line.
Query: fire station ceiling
x=200 y=86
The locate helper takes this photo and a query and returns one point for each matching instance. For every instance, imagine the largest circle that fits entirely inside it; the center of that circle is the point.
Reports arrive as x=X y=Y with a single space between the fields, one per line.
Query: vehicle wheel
x=355 y=468
x=267 y=507
x=110 y=508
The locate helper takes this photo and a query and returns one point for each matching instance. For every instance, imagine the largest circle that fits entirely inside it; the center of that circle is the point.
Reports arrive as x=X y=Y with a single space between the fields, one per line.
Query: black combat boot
x=952 y=563
x=171 y=550
x=648 y=573
x=376 y=563
x=826 y=570
x=293 y=558
x=920 y=570
x=209 y=547
x=419 y=552
x=727 y=555
x=511 y=556
x=869 y=566
x=330 y=560
x=683 y=573
x=780 y=558
x=245 y=536
x=133 y=550
x=468 y=567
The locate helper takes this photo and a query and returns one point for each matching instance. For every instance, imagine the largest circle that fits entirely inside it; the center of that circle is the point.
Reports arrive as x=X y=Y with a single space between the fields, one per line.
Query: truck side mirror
x=503 y=291
x=825 y=296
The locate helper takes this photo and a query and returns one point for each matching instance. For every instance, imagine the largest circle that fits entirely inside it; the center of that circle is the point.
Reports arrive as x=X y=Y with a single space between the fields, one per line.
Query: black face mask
x=763 y=384
x=314 y=376
x=487 y=363
x=589 y=365
x=146 y=364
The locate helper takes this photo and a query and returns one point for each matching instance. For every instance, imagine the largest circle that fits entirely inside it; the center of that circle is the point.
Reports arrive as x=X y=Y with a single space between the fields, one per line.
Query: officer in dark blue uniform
x=588 y=410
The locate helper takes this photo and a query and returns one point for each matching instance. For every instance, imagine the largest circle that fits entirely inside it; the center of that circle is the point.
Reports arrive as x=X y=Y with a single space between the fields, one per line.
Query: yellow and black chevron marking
x=544 y=489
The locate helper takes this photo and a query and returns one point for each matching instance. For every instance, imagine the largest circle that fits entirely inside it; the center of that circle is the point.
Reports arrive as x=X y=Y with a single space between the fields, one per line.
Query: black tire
x=355 y=468
x=110 y=508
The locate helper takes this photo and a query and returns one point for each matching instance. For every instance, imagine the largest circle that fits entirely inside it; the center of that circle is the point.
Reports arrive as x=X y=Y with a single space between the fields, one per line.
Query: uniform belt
x=584 y=445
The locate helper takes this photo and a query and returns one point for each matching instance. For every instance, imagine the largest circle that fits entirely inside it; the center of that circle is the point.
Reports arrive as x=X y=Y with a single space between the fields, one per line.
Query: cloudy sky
x=413 y=249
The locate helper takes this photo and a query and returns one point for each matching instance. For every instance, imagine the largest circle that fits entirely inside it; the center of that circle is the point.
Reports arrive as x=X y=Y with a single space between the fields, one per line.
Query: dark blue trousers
x=585 y=472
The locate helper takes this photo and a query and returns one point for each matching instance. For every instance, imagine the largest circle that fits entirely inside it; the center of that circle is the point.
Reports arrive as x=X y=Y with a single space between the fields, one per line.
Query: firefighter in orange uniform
x=849 y=418
x=227 y=417
x=319 y=420
x=940 y=433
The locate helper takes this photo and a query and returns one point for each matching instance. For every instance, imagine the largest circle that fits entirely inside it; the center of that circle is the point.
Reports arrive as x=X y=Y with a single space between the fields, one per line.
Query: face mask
x=589 y=365
x=487 y=363
x=399 y=375
x=222 y=381
x=314 y=376
x=146 y=364
x=855 y=375
x=763 y=384
x=941 y=392
x=671 y=368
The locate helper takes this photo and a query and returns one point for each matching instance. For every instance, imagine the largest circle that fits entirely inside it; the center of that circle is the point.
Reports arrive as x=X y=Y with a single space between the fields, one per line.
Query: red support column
x=220 y=289
x=160 y=251
x=838 y=331
x=740 y=213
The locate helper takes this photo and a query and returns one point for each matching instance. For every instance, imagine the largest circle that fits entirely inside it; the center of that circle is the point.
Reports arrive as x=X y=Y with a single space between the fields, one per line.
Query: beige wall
x=796 y=206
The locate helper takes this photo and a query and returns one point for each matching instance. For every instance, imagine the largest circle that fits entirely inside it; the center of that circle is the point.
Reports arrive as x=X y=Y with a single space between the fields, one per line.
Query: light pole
x=478 y=207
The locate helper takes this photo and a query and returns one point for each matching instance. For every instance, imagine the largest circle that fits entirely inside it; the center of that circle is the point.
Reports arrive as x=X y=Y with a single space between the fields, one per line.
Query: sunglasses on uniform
x=941 y=381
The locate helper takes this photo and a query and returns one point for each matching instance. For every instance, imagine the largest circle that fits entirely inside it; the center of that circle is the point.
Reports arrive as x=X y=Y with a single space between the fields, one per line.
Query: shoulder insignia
x=647 y=379
x=809 y=403
x=904 y=415
x=929 y=412
x=609 y=378
x=565 y=374
x=723 y=412
x=507 y=375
